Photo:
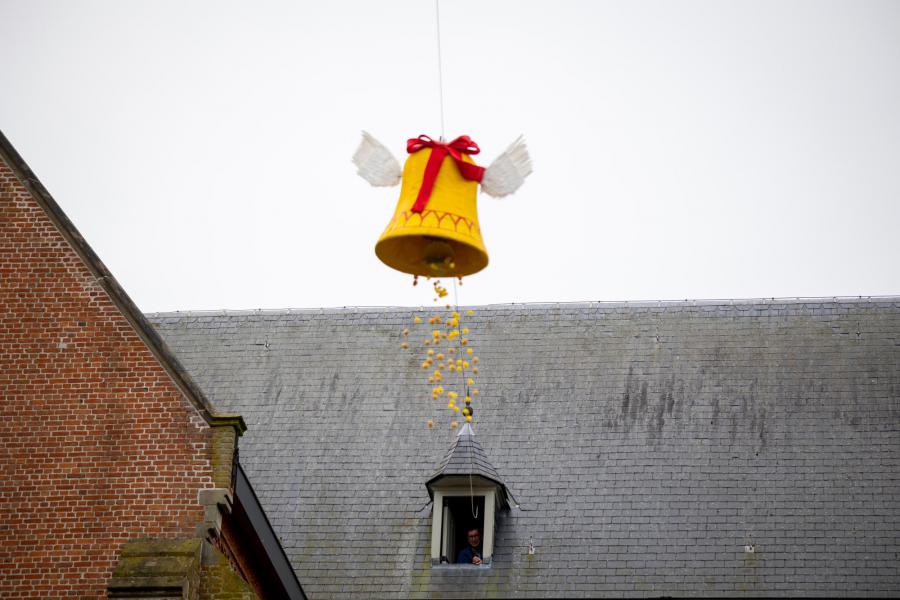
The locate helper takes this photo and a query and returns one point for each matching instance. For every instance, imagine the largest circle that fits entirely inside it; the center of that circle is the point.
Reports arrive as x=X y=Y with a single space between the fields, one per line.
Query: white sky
x=681 y=149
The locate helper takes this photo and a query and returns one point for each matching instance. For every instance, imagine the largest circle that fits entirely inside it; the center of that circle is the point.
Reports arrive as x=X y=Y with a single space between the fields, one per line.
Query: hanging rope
x=437 y=15
x=462 y=372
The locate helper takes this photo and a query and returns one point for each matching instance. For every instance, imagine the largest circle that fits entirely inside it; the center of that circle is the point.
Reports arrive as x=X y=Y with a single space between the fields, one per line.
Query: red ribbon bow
x=461 y=145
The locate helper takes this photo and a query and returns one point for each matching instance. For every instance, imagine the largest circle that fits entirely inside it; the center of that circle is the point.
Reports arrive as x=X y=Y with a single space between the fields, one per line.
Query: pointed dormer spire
x=466 y=458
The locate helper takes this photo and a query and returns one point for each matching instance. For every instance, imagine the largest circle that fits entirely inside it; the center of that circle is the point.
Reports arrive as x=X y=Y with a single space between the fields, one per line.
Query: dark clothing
x=467 y=554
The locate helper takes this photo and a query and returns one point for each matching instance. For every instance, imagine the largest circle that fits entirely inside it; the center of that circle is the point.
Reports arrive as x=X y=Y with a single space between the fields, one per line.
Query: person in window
x=471 y=554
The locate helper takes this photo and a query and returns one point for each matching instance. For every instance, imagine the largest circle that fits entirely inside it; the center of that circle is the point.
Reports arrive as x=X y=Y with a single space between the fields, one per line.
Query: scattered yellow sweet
x=450 y=405
x=430 y=423
x=455 y=408
x=468 y=418
x=464 y=342
x=470 y=381
x=465 y=411
x=452 y=395
x=474 y=391
x=453 y=424
x=468 y=399
x=475 y=370
x=425 y=365
x=431 y=353
x=465 y=330
x=470 y=351
x=440 y=356
x=404 y=345
x=436 y=333
x=431 y=380
x=470 y=312
x=418 y=320
x=451 y=350
x=475 y=360
x=406 y=332
x=453 y=334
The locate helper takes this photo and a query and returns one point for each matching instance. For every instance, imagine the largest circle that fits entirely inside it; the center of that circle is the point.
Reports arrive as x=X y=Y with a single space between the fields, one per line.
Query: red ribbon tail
x=470 y=171
x=431 y=170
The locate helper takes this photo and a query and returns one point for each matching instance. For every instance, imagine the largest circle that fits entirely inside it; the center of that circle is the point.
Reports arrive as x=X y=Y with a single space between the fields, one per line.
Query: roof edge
x=259 y=521
x=117 y=294
x=768 y=300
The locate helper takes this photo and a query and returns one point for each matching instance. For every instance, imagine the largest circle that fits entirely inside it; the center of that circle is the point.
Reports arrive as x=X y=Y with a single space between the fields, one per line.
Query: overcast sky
x=681 y=149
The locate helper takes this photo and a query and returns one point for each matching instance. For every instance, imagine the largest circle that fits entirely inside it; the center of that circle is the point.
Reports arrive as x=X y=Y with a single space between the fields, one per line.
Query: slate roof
x=649 y=446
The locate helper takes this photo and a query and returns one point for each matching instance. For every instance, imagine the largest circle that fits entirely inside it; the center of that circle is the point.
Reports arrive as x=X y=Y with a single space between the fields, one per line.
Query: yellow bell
x=444 y=240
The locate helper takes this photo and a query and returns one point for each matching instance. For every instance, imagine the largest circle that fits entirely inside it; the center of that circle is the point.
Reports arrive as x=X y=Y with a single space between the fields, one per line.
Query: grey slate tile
x=653 y=438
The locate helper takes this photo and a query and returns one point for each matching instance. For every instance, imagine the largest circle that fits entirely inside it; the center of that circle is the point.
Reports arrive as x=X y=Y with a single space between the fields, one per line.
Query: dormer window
x=466 y=492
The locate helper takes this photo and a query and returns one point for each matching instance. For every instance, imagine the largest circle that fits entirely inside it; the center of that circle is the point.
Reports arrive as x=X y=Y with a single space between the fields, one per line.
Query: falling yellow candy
x=406 y=332
x=425 y=365
x=431 y=353
x=453 y=424
x=418 y=320
x=455 y=408
x=468 y=418
x=470 y=312
x=430 y=422
x=470 y=351
x=474 y=392
x=465 y=330
x=452 y=395
x=440 y=356
x=475 y=370
x=470 y=381
x=474 y=359
x=404 y=345
x=465 y=411
x=465 y=364
x=464 y=342
x=451 y=350
x=468 y=399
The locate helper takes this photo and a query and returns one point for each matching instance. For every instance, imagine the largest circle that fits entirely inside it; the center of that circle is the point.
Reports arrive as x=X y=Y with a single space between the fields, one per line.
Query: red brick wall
x=97 y=444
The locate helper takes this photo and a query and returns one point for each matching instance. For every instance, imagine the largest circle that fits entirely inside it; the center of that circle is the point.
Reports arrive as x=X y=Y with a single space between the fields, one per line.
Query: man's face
x=474 y=537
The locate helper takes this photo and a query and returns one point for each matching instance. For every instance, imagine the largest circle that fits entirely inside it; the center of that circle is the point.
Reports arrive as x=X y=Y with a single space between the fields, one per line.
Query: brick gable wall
x=99 y=445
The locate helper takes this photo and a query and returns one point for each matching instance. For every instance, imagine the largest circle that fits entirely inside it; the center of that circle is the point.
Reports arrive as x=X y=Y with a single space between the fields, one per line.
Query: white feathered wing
x=375 y=163
x=508 y=171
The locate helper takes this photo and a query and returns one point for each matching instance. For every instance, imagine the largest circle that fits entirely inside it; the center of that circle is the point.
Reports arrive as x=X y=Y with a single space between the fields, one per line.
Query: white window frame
x=437 y=521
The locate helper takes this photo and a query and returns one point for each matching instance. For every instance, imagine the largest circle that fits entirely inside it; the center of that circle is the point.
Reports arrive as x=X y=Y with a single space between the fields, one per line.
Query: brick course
x=99 y=444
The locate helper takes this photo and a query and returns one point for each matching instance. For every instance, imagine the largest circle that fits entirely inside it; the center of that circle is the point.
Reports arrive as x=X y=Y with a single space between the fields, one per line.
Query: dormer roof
x=466 y=458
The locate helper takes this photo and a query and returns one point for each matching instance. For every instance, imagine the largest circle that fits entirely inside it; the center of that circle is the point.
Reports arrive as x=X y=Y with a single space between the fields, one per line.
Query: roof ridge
x=587 y=303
